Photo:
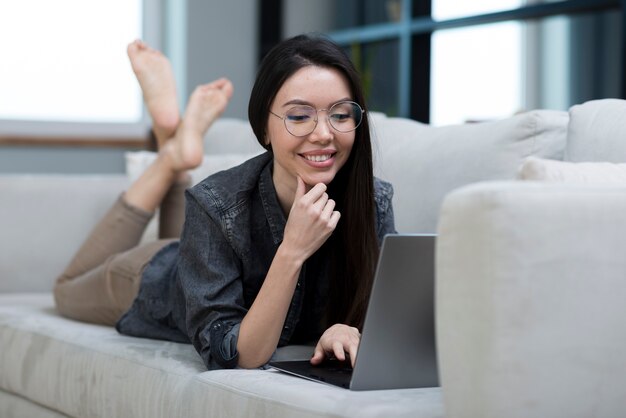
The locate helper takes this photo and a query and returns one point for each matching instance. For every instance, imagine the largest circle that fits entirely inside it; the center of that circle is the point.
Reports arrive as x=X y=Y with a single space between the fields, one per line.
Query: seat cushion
x=89 y=370
x=13 y=406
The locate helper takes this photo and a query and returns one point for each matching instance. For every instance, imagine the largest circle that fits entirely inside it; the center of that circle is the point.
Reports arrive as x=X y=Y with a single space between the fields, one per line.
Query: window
x=65 y=71
x=476 y=73
x=451 y=61
x=451 y=9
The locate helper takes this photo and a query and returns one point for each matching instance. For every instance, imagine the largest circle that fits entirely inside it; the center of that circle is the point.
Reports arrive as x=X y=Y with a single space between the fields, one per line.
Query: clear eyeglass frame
x=294 y=122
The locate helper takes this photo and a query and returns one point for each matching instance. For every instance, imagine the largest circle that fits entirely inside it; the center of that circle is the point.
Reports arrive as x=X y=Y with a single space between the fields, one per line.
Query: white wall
x=222 y=41
x=302 y=16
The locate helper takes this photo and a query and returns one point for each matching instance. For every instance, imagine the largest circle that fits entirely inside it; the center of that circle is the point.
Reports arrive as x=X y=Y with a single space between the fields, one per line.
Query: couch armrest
x=43 y=221
x=531 y=301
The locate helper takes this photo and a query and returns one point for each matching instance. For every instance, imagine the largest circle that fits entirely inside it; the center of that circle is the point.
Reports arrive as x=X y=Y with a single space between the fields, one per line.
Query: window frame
x=416 y=27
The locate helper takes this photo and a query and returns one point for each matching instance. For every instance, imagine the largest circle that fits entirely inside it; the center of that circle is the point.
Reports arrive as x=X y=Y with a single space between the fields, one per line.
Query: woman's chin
x=312 y=180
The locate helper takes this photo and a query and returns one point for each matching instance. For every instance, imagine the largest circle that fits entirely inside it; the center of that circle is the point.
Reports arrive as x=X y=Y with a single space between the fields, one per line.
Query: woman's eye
x=298 y=118
x=340 y=117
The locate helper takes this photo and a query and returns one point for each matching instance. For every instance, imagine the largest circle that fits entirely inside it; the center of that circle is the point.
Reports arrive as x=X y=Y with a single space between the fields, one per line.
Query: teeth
x=317 y=158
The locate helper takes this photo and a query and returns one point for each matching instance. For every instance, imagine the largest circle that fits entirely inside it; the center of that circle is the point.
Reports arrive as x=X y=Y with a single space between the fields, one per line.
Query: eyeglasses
x=301 y=120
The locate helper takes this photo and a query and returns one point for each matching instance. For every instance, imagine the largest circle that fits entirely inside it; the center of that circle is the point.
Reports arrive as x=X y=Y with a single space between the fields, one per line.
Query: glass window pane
x=65 y=60
x=377 y=63
x=573 y=59
x=302 y=16
x=351 y=13
x=450 y=9
x=476 y=73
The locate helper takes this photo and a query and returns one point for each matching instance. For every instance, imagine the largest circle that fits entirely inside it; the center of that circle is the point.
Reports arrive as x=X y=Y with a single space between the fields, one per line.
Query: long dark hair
x=353 y=247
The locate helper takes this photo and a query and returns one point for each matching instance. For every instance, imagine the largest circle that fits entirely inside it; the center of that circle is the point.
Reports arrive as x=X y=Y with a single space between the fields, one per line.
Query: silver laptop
x=397 y=348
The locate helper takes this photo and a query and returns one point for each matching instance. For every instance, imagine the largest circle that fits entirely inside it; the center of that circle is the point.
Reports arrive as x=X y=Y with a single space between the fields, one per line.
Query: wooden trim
x=142 y=143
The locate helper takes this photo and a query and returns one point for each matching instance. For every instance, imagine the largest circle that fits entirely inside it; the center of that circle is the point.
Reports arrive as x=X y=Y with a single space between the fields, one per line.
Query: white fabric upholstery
x=138 y=161
x=530 y=301
x=15 y=406
x=596 y=131
x=425 y=163
x=105 y=374
x=43 y=221
x=231 y=136
x=600 y=173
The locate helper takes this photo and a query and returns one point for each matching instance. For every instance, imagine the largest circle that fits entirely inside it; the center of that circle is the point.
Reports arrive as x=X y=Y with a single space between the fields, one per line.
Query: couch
x=530 y=282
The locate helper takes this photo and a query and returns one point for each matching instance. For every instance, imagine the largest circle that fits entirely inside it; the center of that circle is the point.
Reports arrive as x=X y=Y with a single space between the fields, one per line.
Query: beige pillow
x=138 y=161
x=596 y=173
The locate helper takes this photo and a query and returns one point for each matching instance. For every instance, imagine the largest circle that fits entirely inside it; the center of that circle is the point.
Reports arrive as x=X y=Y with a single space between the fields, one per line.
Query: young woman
x=280 y=250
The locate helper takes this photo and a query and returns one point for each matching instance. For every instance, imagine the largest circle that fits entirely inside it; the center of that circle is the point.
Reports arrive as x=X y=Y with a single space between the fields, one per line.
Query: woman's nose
x=323 y=130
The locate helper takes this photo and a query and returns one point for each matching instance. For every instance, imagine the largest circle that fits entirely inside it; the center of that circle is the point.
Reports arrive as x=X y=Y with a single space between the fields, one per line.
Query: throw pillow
x=138 y=161
x=590 y=173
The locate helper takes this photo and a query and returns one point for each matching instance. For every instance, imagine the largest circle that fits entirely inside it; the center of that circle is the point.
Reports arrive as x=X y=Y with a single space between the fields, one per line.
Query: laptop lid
x=397 y=348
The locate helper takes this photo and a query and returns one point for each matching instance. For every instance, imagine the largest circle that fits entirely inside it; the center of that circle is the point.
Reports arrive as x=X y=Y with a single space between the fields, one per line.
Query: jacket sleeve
x=209 y=273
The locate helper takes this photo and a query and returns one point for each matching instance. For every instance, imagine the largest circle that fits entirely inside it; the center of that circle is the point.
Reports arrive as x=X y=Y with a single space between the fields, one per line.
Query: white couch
x=528 y=302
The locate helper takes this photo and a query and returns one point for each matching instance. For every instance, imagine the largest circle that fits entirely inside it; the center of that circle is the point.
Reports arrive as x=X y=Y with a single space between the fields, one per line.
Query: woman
x=280 y=250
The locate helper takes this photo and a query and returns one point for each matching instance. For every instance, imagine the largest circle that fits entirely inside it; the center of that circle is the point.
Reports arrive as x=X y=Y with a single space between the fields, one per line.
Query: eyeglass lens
x=343 y=116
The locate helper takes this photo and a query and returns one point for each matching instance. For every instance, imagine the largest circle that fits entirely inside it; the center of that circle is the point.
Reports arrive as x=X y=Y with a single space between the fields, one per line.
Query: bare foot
x=206 y=104
x=156 y=78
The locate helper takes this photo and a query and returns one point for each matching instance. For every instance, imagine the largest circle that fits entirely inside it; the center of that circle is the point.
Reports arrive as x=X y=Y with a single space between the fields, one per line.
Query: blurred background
x=69 y=102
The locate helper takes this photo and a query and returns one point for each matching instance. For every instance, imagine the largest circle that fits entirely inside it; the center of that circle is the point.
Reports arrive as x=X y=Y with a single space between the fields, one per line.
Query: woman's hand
x=311 y=220
x=336 y=341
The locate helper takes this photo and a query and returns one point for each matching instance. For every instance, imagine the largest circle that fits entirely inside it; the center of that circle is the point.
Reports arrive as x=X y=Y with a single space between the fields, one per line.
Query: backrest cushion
x=43 y=221
x=425 y=163
x=597 y=131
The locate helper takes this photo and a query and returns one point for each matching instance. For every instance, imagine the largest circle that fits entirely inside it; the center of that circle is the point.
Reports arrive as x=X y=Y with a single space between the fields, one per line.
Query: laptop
x=397 y=347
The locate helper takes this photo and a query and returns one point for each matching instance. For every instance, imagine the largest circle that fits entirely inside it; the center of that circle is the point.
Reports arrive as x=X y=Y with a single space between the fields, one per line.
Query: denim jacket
x=200 y=289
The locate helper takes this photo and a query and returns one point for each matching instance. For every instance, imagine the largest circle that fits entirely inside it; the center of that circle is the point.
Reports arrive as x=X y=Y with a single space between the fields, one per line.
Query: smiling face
x=318 y=156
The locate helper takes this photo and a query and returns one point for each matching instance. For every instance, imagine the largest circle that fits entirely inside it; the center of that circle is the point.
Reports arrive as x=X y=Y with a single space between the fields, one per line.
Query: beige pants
x=102 y=280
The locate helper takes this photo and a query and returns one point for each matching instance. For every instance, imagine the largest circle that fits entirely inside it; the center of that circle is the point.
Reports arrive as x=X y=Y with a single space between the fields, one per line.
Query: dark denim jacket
x=200 y=290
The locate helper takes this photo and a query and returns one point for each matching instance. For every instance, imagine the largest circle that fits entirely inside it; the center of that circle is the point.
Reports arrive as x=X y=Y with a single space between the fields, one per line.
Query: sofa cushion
x=43 y=221
x=530 y=300
x=138 y=161
x=89 y=370
x=541 y=169
x=425 y=163
x=596 y=131
x=14 y=406
x=231 y=136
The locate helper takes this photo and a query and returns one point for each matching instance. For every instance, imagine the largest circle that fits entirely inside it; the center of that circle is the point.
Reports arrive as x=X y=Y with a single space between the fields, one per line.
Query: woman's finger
x=329 y=207
x=318 y=354
x=352 y=351
x=339 y=351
